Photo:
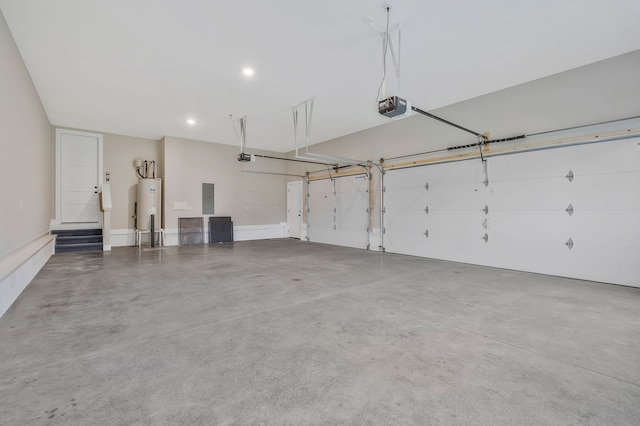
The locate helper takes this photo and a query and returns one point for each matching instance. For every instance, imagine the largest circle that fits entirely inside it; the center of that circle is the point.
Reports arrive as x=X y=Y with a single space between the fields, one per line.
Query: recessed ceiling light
x=248 y=72
x=191 y=121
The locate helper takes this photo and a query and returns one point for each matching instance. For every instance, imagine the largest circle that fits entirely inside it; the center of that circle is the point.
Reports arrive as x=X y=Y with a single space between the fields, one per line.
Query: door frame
x=295 y=186
x=56 y=221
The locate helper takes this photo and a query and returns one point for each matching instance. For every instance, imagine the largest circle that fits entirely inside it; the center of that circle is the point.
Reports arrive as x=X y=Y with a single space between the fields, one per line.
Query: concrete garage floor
x=285 y=332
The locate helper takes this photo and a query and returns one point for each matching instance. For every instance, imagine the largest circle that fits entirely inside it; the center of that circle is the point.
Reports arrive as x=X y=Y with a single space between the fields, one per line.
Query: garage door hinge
x=426 y=210
x=486 y=210
x=569 y=243
x=570 y=176
x=486 y=238
x=426 y=233
x=426 y=186
x=569 y=210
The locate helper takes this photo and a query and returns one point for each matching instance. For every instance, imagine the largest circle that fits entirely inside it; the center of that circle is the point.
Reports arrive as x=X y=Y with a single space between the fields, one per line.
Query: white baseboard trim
x=259 y=232
x=19 y=267
x=127 y=237
x=123 y=237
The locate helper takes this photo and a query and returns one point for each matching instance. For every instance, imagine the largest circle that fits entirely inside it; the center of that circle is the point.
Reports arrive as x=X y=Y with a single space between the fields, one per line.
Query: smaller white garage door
x=339 y=211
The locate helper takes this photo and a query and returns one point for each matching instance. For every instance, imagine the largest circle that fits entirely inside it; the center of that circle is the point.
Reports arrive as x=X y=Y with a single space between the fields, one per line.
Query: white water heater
x=149 y=202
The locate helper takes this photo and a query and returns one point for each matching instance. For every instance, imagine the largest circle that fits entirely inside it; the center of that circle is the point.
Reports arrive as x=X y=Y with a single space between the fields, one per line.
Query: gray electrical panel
x=207 y=198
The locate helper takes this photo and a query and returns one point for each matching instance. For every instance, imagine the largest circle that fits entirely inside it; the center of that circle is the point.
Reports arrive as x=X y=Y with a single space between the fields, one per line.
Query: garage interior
x=276 y=247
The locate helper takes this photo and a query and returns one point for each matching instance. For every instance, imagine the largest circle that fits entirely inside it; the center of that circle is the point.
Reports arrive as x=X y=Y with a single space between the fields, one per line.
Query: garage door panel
x=535 y=165
x=338 y=211
x=454 y=173
x=435 y=245
x=605 y=228
x=529 y=195
x=406 y=198
x=603 y=158
x=538 y=219
x=406 y=220
x=320 y=234
x=530 y=225
x=353 y=221
x=612 y=191
x=457 y=197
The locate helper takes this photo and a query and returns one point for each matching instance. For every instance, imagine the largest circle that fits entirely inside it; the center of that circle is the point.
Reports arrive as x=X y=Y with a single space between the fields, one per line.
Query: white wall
x=26 y=172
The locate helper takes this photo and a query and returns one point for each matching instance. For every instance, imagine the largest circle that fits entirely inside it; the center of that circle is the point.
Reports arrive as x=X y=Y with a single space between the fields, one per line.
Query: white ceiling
x=143 y=67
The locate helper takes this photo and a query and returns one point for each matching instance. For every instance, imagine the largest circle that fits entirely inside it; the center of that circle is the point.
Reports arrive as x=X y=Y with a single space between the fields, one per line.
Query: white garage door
x=572 y=211
x=338 y=211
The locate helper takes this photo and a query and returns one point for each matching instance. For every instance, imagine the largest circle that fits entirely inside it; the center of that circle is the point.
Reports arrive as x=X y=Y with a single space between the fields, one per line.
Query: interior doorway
x=78 y=179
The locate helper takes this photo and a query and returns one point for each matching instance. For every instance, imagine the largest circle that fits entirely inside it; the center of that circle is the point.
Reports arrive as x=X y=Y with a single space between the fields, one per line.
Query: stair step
x=78 y=239
x=79 y=247
x=76 y=232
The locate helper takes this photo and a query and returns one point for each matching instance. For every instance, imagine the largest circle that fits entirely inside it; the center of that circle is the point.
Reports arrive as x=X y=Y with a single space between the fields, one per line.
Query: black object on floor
x=220 y=229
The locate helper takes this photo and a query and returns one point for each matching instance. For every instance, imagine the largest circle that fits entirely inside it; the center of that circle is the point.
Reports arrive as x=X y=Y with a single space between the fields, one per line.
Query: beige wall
x=26 y=160
x=119 y=153
x=250 y=199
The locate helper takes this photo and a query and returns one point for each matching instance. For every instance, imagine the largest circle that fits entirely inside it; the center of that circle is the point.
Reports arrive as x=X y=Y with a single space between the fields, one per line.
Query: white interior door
x=78 y=178
x=294 y=208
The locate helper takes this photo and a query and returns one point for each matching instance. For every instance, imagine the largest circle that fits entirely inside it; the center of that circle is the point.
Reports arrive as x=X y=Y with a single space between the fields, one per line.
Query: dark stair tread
x=76 y=232
x=78 y=239
x=79 y=247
